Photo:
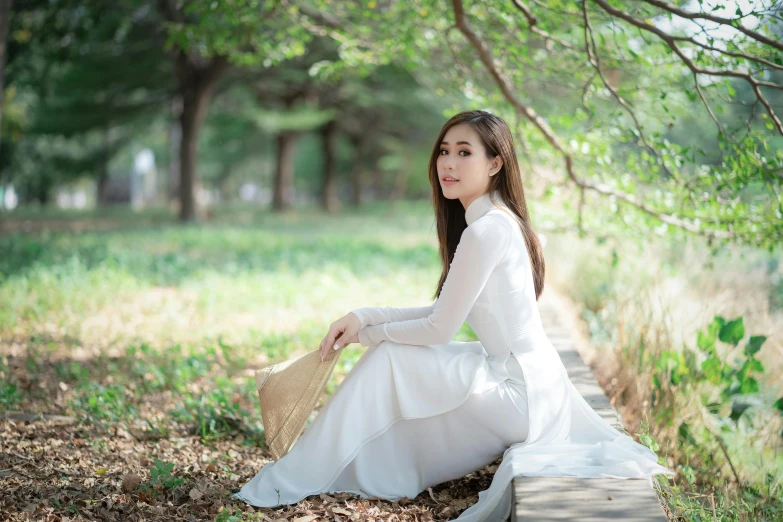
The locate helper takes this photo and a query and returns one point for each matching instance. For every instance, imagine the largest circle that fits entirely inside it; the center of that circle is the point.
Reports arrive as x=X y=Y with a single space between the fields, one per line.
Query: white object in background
x=8 y=197
x=79 y=199
x=248 y=191
x=143 y=179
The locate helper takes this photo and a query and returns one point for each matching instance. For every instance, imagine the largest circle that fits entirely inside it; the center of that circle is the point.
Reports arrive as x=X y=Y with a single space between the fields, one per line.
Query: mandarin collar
x=481 y=205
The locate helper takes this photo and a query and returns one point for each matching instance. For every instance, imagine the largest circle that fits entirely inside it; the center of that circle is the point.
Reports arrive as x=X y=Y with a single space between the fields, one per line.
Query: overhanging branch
x=718 y=20
x=671 y=42
x=602 y=188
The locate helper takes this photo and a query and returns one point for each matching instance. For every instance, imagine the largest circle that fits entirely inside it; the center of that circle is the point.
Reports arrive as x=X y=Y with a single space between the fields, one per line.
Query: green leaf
x=713 y=407
x=715 y=326
x=711 y=367
x=732 y=332
x=732 y=389
x=685 y=434
x=705 y=341
x=737 y=409
x=754 y=344
x=752 y=365
x=689 y=473
x=779 y=405
x=749 y=385
x=649 y=442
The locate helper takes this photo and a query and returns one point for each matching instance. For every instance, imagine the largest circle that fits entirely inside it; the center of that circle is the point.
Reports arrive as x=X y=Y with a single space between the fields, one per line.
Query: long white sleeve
x=372 y=315
x=482 y=246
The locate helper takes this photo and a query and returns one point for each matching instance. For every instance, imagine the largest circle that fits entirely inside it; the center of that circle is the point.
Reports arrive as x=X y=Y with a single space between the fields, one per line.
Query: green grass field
x=144 y=335
x=149 y=337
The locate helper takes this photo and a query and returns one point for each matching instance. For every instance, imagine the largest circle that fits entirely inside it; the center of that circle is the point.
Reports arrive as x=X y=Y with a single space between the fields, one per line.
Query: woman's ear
x=497 y=163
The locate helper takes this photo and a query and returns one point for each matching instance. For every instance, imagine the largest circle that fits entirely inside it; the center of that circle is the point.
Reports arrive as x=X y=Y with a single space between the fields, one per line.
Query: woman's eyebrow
x=458 y=143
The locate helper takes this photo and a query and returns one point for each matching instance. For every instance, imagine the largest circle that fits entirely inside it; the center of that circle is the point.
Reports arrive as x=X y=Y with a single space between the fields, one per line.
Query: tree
x=205 y=39
x=5 y=22
x=97 y=91
x=607 y=65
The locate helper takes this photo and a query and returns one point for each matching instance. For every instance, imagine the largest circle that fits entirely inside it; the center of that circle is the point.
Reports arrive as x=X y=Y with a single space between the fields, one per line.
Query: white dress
x=419 y=409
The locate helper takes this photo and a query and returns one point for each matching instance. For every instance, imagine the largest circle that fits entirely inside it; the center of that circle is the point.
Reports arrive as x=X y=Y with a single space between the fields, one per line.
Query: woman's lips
x=449 y=181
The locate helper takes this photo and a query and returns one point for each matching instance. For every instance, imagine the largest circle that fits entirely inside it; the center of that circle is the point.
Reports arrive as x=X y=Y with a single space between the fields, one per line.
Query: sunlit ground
x=147 y=334
x=150 y=336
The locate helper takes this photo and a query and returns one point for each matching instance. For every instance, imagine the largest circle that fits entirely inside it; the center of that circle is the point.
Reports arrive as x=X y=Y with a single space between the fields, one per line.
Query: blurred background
x=191 y=190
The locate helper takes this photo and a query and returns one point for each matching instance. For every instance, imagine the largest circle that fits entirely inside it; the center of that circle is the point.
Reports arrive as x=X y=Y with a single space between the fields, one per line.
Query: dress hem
x=352 y=455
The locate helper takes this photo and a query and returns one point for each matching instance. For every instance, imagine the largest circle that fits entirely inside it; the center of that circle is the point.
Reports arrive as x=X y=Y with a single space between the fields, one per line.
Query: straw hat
x=288 y=392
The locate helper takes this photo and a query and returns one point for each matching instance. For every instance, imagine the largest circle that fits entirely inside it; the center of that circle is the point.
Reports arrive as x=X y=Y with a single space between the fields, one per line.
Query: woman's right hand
x=346 y=328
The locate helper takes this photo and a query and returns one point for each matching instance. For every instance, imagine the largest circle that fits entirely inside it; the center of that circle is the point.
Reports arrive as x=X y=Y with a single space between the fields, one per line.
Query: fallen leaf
x=196 y=494
x=130 y=482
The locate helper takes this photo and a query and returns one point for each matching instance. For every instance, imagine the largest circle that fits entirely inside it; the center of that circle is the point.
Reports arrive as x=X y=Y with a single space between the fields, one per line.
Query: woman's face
x=462 y=157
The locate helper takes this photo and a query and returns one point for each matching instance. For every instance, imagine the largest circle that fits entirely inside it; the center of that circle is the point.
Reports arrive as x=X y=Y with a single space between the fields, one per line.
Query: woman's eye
x=466 y=152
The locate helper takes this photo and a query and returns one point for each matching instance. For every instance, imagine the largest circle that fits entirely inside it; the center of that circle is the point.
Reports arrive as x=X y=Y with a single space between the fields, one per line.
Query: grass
x=652 y=301
x=148 y=334
x=149 y=337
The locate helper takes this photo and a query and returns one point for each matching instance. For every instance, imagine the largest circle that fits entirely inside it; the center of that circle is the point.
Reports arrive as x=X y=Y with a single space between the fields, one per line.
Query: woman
x=419 y=409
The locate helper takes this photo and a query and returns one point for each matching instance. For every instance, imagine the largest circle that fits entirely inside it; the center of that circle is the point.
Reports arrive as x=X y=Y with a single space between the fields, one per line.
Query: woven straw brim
x=288 y=392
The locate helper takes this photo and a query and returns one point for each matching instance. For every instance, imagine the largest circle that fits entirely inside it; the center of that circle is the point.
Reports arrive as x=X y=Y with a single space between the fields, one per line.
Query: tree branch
x=728 y=53
x=718 y=20
x=532 y=21
x=592 y=57
x=693 y=67
x=551 y=137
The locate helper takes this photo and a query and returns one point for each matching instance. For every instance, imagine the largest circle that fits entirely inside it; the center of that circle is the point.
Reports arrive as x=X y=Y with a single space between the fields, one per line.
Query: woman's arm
x=482 y=246
x=372 y=315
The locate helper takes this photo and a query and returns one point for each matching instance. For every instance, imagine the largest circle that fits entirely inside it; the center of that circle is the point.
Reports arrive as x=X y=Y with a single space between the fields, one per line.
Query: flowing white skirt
x=397 y=425
x=409 y=417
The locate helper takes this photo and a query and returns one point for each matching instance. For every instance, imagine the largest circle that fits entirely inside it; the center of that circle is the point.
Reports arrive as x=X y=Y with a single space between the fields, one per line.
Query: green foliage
x=251 y=32
x=9 y=392
x=628 y=112
x=695 y=403
x=226 y=515
x=79 y=105
x=155 y=371
x=96 y=403
x=161 y=476
x=213 y=414
x=733 y=376
x=723 y=374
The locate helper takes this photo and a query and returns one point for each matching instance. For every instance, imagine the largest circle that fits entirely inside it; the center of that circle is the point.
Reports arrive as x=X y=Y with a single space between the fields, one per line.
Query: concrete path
x=544 y=499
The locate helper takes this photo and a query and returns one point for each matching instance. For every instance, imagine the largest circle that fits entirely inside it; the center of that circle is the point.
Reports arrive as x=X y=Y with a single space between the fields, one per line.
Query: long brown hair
x=507 y=183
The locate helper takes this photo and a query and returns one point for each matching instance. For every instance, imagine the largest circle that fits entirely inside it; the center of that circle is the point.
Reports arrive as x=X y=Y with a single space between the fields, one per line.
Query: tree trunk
x=5 y=15
x=42 y=191
x=401 y=180
x=360 y=144
x=222 y=183
x=196 y=86
x=284 y=171
x=400 y=185
x=331 y=200
x=102 y=182
x=379 y=178
x=175 y=137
